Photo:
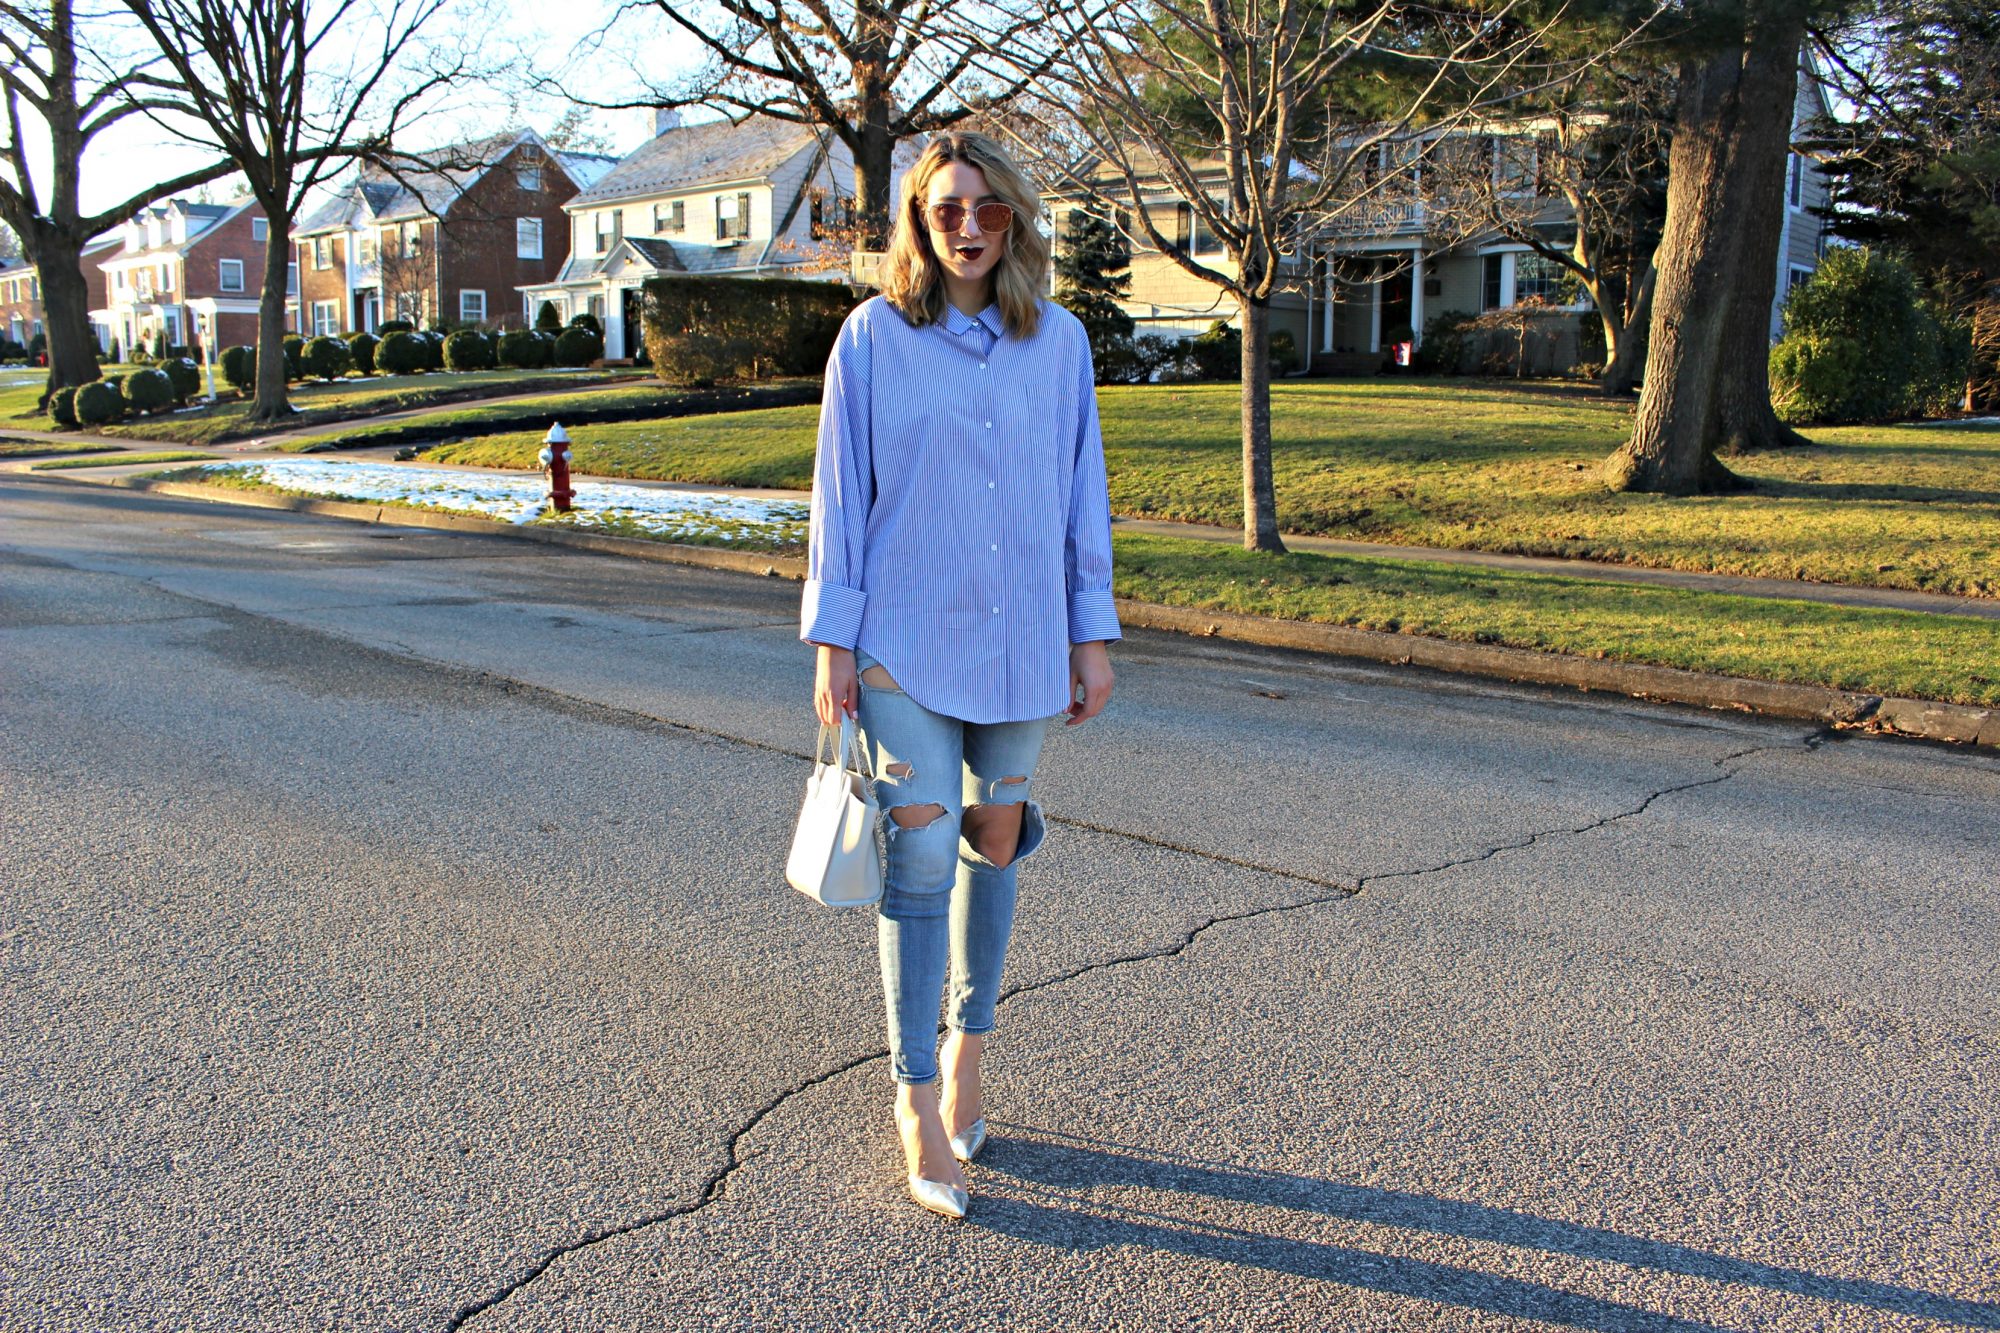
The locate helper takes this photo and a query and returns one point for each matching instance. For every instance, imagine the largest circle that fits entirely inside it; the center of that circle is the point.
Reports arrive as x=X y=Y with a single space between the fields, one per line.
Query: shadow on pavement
x=1060 y=1169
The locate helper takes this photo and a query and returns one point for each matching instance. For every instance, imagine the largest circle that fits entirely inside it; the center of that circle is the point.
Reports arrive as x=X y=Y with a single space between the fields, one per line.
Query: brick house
x=445 y=242
x=21 y=294
x=186 y=271
x=764 y=197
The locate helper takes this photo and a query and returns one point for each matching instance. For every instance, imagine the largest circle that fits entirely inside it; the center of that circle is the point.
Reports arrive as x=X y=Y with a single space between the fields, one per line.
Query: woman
x=959 y=592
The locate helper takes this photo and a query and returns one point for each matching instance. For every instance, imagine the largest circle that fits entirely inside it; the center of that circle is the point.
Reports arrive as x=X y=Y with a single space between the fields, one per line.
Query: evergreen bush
x=1218 y=352
x=295 y=349
x=326 y=358
x=524 y=349
x=97 y=403
x=361 y=349
x=62 y=408
x=389 y=326
x=468 y=349
x=184 y=376
x=578 y=346
x=701 y=330
x=239 y=367
x=1093 y=274
x=149 y=390
x=399 y=353
x=586 y=320
x=1861 y=344
x=546 y=318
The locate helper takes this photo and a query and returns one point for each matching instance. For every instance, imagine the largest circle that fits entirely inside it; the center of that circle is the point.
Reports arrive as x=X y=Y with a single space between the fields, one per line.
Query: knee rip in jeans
x=914 y=816
x=997 y=837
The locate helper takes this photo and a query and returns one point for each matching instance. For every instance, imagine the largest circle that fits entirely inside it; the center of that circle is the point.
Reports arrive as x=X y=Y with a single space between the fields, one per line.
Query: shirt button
x=982 y=365
x=989 y=425
x=996 y=610
x=994 y=547
x=989 y=485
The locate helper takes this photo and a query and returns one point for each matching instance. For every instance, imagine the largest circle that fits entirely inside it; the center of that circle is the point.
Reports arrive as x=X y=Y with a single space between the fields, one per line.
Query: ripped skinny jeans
x=943 y=902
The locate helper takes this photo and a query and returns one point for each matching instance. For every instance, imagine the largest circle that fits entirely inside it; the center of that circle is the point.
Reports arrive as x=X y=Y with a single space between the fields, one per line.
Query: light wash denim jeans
x=942 y=900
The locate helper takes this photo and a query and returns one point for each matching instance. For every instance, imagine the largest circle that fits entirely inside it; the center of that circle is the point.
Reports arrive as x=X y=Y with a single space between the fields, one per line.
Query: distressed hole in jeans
x=900 y=770
x=913 y=816
x=877 y=676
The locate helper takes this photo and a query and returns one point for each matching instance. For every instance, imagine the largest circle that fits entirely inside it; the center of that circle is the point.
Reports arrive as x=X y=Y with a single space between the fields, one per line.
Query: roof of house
x=691 y=155
x=205 y=214
x=428 y=184
x=661 y=254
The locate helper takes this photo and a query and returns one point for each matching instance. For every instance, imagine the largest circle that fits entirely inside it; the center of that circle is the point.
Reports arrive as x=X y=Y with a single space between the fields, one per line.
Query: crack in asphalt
x=712 y=1188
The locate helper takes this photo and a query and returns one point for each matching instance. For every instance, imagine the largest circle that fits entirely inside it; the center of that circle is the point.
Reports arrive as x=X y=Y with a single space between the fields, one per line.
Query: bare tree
x=66 y=105
x=874 y=72
x=1280 y=124
x=1580 y=178
x=291 y=91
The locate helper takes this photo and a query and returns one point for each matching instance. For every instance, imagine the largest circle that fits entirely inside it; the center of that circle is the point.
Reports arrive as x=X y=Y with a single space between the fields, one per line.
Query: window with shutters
x=670 y=217
x=732 y=216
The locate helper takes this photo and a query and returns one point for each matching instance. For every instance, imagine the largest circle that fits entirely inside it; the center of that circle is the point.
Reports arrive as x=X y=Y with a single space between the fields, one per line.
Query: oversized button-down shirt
x=960 y=521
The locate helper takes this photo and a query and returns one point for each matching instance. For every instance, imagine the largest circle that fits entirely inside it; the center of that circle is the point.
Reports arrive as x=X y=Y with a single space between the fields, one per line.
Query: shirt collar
x=957 y=321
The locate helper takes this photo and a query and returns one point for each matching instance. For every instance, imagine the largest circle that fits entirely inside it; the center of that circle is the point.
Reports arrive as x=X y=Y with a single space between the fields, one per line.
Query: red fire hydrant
x=555 y=463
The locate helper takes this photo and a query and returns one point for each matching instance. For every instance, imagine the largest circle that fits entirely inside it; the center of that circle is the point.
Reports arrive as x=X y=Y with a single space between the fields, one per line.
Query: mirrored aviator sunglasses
x=950 y=217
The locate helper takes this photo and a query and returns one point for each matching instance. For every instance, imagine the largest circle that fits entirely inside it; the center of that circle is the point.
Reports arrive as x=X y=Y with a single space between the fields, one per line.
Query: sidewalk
x=1830 y=594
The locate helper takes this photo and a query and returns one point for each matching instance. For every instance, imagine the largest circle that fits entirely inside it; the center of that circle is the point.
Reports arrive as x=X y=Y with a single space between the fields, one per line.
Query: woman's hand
x=1090 y=667
x=834 y=687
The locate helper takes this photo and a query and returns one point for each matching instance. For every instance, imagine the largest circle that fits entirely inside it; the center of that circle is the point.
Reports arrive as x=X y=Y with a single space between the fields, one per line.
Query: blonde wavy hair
x=913 y=280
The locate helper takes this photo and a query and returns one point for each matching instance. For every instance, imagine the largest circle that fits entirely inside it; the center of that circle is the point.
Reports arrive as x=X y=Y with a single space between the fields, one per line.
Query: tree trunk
x=272 y=405
x=1260 y=504
x=65 y=306
x=1718 y=263
x=874 y=159
x=1628 y=359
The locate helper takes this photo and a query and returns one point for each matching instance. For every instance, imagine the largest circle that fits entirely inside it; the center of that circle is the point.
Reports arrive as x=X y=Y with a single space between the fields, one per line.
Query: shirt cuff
x=1093 y=616
x=831 y=613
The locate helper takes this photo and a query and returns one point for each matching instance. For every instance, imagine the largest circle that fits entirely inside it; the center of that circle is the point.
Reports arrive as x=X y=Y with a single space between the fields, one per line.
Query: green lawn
x=316 y=402
x=22 y=448
x=120 y=459
x=1472 y=464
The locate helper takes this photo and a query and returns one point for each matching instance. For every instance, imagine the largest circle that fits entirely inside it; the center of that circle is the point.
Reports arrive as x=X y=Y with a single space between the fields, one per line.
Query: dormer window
x=670 y=217
x=528 y=167
x=732 y=216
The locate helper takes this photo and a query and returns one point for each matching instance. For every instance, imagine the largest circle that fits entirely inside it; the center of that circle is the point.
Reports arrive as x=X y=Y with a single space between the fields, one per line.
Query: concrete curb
x=1841 y=709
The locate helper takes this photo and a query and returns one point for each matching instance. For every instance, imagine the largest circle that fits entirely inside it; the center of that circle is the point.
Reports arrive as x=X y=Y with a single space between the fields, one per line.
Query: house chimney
x=664 y=119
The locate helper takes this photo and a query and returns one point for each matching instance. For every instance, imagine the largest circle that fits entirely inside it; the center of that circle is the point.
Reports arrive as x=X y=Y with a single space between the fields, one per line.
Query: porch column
x=1417 y=296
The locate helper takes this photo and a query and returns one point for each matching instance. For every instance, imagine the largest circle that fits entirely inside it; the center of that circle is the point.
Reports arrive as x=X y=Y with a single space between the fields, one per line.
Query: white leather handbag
x=834 y=855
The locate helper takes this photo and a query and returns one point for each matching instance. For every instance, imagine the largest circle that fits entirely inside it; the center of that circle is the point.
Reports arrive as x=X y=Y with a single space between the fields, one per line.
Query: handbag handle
x=849 y=748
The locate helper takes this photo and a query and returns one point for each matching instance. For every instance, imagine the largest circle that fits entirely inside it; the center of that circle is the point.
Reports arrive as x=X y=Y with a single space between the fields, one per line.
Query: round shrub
x=149 y=390
x=62 y=408
x=326 y=358
x=400 y=353
x=1861 y=344
x=239 y=366
x=433 y=347
x=389 y=326
x=97 y=403
x=578 y=346
x=468 y=349
x=295 y=351
x=361 y=346
x=585 y=320
x=524 y=349
x=184 y=375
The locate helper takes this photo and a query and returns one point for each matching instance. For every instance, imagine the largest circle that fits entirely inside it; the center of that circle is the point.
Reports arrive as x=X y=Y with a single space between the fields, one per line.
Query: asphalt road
x=394 y=936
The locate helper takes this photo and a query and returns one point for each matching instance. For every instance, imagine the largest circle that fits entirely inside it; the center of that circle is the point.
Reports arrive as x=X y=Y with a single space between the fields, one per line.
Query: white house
x=763 y=198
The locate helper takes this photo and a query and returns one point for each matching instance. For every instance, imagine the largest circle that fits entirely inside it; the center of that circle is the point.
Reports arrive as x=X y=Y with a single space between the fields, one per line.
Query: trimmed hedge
x=295 y=350
x=97 y=403
x=468 y=349
x=524 y=349
x=585 y=320
x=149 y=390
x=432 y=346
x=239 y=367
x=701 y=330
x=62 y=407
x=400 y=353
x=326 y=358
x=578 y=346
x=389 y=326
x=361 y=346
x=184 y=375
x=546 y=318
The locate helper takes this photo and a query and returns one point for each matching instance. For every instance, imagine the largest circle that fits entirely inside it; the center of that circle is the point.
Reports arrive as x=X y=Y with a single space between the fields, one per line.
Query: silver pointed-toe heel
x=936 y=1195
x=965 y=1144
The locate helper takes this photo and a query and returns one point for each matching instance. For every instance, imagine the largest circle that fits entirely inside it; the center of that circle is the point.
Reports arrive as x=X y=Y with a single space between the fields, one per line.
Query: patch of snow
x=1962 y=421
x=523 y=498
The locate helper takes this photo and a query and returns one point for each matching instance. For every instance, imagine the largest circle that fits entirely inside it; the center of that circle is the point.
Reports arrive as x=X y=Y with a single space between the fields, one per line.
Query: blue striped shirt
x=961 y=525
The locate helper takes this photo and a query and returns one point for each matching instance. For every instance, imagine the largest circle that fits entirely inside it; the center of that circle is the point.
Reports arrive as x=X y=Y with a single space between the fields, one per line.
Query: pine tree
x=1093 y=274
